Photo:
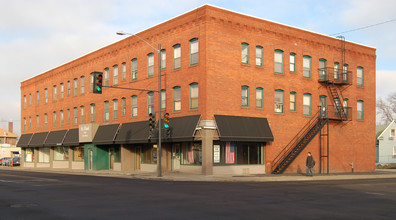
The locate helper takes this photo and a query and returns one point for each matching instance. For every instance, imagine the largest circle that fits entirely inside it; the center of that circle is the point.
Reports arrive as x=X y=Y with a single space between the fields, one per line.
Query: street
x=36 y=195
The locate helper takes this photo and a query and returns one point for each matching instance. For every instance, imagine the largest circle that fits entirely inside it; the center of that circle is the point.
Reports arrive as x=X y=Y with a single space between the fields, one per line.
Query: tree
x=386 y=109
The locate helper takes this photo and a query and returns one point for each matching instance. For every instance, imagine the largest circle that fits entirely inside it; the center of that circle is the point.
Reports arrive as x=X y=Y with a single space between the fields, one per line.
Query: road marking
x=376 y=194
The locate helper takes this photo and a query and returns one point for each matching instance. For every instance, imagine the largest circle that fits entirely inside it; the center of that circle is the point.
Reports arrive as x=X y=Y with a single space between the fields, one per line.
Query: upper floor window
x=134 y=106
x=359 y=110
x=150 y=102
x=75 y=89
x=82 y=85
x=293 y=101
x=37 y=122
x=292 y=62
x=82 y=114
x=194 y=92
x=259 y=56
x=106 y=111
x=115 y=109
x=194 y=51
x=54 y=120
x=279 y=101
x=150 y=64
x=106 y=77
x=322 y=69
x=163 y=99
x=259 y=97
x=245 y=96
x=307 y=66
x=336 y=70
x=55 y=94
x=62 y=91
x=37 y=98
x=68 y=88
x=307 y=104
x=24 y=101
x=278 y=57
x=345 y=73
x=176 y=99
x=30 y=99
x=45 y=121
x=92 y=113
x=91 y=82
x=45 y=95
x=123 y=71
x=359 y=76
x=176 y=56
x=115 y=75
x=123 y=106
x=24 y=124
x=134 y=68
x=61 y=118
x=75 y=116
x=245 y=53
x=163 y=59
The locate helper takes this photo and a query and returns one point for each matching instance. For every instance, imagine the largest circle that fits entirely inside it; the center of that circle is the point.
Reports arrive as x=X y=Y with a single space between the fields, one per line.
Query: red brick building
x=243 y=96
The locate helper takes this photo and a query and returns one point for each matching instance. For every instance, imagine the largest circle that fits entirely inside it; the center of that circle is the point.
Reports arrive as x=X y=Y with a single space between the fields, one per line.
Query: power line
x=369 y=26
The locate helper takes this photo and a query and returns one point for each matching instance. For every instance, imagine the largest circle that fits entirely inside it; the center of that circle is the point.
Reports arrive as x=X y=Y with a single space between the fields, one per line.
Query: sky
x=37 y=36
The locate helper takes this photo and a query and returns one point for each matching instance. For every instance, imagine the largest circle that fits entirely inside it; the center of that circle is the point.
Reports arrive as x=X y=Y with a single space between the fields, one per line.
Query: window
x=24 y=102
x=194 y=51
x=29 y=154
x=163 y=59
x=336 y=70
x=30 y=99
x=106 y=77
x=75 y=120
x=345 y=105
x=245 y=53
x=322 y=70
x=163 y=99
x=54 y=120
x=62 y=91
x=359 y=76
x=106 y=111
x=259 y=97
x=61 y=118
x=278 y=101
x=191 y=153
x=115 y=109
x=176 y=99
x=78 y=153
x=75 y=88
x=337 y=105
x=278 y=57
x=293 y=101
x=307 y=66
x=68 y=116
x=134 y=69
x=134 y=106
x=68 y=88
x=82 y=85
x=45 y=121
x=150 y=64
x=91 y=82
x=45 y=95
x=123 y=71
x=237 y=153
x=37 y=122
x=30 y=122
x=176 y=56
x=149 y=154
x=55 y=93
x=44 y=155
x=392 y=133
x=61 y=153
x=82 y=114
x=92 y=113
x=359 y=110
x=150 y=102
x=115 y=75
x=245 y=96
x=37 y=98
x=292 y=62
x=323 y=105
x=24 y=124
x=345 y=73
x=307 y=104
x=123 y=107
x=259 y=56
x=194 y=93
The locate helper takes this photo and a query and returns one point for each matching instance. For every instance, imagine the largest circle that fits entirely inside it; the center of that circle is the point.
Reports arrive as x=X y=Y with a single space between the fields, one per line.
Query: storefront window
x=78 y=153
x=29 y=154
x=149 y=154
x=236 y=153
x=192 y=153
x=44 y=155
x=61 y=153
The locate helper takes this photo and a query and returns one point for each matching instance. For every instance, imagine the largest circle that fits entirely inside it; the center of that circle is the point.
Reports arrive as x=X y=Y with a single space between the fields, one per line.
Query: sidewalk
x=176 y=176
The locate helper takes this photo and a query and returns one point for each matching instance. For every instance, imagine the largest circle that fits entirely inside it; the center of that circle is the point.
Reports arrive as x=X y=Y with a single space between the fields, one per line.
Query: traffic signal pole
x=159 y=112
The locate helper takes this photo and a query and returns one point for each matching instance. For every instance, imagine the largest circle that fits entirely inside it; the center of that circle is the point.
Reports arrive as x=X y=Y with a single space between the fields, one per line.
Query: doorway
x=138 y=151
x=90 y=159
x=176 y=157
x=111 y=158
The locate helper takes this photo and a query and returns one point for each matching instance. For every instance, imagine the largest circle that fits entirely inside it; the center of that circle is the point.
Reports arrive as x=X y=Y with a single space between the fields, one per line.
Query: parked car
x=16 y=161
x=6 y=161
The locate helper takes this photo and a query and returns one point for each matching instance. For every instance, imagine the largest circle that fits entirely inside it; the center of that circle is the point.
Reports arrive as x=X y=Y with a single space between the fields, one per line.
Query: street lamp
x=159 y=97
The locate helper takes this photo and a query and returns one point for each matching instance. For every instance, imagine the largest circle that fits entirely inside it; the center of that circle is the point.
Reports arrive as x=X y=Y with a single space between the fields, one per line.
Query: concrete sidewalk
x=176 y=176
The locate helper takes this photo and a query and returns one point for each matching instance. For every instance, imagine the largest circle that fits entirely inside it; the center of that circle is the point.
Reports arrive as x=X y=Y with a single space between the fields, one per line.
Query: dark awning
x=106 y=134
x=38 y=139
x=24 y=140
x=71 y=138
x=133 y=133
x=235 y=128
x=183 y=128
x=55 y=138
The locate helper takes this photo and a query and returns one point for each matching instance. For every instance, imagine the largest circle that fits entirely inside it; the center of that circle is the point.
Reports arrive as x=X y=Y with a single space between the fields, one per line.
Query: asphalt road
x=33 y=195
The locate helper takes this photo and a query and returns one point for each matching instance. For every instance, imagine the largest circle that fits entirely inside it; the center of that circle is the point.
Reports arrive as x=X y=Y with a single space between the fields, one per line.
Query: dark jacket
x=310 y=161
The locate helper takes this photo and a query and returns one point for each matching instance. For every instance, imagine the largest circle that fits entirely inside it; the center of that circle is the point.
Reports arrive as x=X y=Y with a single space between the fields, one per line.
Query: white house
x=386 y=144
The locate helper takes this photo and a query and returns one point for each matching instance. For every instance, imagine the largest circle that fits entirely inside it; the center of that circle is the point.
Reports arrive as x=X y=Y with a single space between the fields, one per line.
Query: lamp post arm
x=125 y=33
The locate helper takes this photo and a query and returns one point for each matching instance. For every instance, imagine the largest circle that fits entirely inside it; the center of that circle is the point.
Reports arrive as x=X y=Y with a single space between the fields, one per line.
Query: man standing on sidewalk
x=310 y=164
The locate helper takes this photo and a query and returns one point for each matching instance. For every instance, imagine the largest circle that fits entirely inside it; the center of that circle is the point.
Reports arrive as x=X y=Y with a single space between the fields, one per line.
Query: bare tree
x=386 y=109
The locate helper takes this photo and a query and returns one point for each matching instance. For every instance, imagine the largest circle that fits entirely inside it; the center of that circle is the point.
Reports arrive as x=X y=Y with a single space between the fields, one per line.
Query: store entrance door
x=90 y=159
x=111 y=158
x=137 y=158
x=176 y=157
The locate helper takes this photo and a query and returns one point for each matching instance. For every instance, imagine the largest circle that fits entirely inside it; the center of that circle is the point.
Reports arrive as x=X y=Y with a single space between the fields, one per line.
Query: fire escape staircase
x=337 y=112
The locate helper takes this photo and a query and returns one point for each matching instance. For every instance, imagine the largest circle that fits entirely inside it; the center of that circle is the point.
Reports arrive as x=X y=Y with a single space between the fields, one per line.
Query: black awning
x=55 y=138
x=236 y=128
x=71 y=138
x=183 y=128
x=106 y=134
x=24 y=140
x=133 y=133
x=38 y=139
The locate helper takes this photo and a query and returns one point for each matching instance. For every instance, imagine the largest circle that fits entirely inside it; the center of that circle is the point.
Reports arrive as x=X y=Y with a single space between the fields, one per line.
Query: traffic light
x=98 y=82
x=166 y=120
x=152 y=121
